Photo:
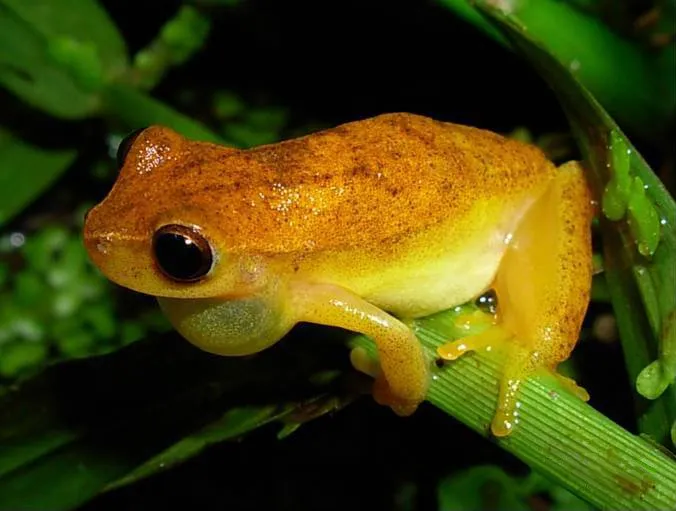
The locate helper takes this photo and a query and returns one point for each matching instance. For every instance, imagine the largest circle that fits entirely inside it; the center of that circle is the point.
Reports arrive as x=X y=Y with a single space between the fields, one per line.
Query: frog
x=366 y=226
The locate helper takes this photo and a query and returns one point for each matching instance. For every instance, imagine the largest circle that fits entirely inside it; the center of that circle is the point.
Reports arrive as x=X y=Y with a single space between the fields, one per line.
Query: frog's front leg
x=543 y=287
x=403 y=378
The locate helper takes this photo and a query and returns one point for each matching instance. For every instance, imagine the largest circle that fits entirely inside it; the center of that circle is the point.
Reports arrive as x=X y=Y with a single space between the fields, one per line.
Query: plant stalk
x=558 y=435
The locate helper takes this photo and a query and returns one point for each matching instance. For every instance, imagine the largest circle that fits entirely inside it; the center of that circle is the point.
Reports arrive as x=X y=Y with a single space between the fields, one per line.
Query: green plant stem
x=627 y=81
x=122 y=104
x=559 y=435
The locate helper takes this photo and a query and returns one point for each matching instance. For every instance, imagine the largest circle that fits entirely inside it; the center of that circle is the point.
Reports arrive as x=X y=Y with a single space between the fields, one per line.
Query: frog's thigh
x=544 y=284
x=403 y=379
x=543 y=288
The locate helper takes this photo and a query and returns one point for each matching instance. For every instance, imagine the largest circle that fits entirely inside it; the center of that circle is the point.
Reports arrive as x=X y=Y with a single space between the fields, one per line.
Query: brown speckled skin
x=397 y=213
x=354 y=185
x=364 y=189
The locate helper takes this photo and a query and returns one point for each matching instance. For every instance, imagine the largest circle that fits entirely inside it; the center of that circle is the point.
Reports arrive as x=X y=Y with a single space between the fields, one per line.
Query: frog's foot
x=487 y=339
x=403 y=377
x=518 y=364
x=521 y=364
x=382 y=393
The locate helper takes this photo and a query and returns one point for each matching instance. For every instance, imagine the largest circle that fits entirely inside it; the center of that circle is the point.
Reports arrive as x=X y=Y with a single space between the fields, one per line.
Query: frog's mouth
x=230 y=327
x=123 y=260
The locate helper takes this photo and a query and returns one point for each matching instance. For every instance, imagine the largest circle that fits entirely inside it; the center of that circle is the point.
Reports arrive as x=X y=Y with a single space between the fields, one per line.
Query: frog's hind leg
x=543 y=287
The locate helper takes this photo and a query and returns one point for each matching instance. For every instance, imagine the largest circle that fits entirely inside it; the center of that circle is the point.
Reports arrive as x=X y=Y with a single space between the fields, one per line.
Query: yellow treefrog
x=362 y=226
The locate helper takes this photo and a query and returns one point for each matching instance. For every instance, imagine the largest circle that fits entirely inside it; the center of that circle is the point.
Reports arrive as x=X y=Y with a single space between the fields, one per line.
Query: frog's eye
x=182 y=253
x=125 y=145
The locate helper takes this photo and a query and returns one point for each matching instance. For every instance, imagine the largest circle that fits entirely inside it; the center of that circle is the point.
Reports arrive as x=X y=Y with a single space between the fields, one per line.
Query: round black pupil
x=180 y=257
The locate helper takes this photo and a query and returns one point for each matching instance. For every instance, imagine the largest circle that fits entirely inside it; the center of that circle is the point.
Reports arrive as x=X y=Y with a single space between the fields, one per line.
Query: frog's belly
x=420 y=275
x=435 y=286
x=433 y=283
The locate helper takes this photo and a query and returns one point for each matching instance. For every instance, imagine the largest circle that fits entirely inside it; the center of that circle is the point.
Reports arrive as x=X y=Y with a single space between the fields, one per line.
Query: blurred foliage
x=488 y=487
x=54 y=305
x=76 y=76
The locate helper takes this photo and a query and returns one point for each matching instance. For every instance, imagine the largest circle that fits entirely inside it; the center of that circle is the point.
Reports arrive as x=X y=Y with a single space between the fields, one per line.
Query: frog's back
x=364 y=182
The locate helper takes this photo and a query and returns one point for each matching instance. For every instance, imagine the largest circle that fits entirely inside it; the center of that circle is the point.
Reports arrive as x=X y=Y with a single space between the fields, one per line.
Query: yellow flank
x=394 y=216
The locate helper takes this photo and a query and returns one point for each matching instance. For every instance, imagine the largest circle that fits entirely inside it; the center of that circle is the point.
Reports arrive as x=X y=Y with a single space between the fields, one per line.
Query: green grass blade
x=86 y=425
x=126 y=106
x=232 y=424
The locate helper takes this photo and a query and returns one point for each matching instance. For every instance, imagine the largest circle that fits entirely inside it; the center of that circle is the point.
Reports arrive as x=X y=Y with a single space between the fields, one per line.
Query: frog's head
x=155 y=231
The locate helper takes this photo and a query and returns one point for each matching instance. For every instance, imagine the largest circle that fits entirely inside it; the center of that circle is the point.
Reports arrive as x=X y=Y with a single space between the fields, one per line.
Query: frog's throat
x=229 y=327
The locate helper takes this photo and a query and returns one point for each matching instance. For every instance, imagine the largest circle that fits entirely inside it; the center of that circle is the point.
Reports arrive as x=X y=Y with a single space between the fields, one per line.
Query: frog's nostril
x=102 y=246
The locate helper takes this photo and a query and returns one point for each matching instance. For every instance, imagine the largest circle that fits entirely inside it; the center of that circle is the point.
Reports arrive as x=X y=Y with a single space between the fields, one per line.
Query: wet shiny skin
x=397 y=216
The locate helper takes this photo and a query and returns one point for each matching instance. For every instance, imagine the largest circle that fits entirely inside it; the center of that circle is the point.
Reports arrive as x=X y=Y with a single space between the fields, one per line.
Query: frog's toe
x=364 y=363
x=490 y=337
x=503 y=422
x=519 y=364
x=452 y=350
x=383 y=395
x=571 y=386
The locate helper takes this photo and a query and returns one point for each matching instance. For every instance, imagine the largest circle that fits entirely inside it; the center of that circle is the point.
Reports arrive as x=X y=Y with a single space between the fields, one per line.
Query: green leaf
x=616 y=195
x=657 y=376
x=644 y=222
x=80 y=59
x=56 y=55
x=27 y=70
x=636 y=86
x=232 y=424
x=118 y=418
x=84 y=21
x=88 y=425
x=639 y=258
x=27 y=171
